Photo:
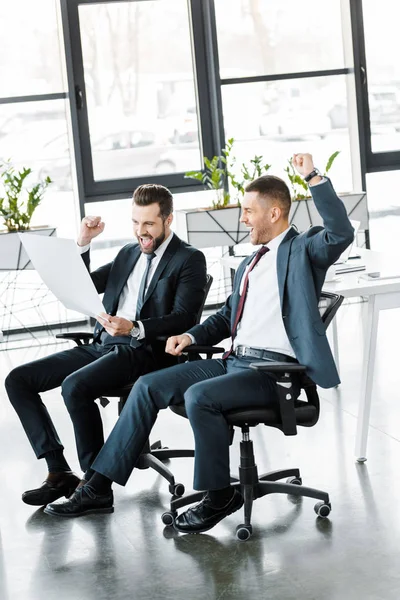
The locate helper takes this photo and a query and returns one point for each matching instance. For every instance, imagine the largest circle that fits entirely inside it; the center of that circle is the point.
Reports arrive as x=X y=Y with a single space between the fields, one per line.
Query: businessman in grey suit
x=154 y=287
x=272 y=314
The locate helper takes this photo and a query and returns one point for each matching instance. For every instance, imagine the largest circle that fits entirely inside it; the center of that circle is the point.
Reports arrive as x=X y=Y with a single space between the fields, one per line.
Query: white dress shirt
x=261 y=325
x=128 y=299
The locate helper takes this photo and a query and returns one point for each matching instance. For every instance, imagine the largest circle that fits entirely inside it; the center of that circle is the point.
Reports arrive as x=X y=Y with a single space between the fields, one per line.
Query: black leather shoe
x=203 y=516
x=84 y=501
x=55 y=486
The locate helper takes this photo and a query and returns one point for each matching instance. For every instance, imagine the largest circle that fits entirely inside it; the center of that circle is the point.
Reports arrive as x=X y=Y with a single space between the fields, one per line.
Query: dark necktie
x=239 y=311
x=143 y=284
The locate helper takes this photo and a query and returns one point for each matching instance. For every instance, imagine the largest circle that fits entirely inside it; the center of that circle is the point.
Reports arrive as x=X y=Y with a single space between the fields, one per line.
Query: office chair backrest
x=209 y=281
x=328 y=306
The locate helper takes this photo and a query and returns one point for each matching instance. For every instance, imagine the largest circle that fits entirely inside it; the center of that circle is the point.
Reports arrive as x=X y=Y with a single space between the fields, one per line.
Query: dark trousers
x=208 y=388
x=84 y=373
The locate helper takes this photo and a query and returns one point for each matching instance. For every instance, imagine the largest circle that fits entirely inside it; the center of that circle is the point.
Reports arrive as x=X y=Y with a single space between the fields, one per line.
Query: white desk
x=381 y=295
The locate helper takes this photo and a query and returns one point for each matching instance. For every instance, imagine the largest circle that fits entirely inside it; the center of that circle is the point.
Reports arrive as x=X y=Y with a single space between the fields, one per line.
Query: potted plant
x=213 y=226
x=17 y=213
x=18 y=202
x=303 y=213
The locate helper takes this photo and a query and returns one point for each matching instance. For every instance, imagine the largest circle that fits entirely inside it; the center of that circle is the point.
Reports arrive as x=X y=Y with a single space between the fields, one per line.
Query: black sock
x=220 y=498
x=88 y=474
x=100 y=484
x=56 y=462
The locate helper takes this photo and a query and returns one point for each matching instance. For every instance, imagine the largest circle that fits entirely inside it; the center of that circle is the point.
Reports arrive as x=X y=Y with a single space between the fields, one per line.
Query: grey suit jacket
x=302 y=262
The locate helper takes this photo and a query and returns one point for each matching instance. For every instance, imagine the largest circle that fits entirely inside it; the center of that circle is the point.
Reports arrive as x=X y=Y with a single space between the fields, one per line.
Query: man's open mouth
x=146 y=242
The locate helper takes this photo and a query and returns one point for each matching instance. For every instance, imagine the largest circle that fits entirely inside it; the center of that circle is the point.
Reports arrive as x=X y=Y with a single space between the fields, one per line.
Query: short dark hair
x=149 y=193
x=272 y=188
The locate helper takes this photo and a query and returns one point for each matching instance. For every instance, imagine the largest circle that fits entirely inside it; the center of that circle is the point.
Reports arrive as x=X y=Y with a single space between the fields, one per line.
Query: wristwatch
x=135 y=331
x=313 y=173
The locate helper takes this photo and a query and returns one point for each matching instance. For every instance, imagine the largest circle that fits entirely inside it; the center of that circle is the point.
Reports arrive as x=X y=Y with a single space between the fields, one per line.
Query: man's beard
x=156 y=242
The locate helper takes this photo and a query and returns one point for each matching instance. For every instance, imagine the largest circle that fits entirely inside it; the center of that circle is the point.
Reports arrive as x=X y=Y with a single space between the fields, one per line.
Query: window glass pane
x=34 y=135
x=140 y=88
x=382 y=47
x=30 y=60
x=284 y=117
x=263 y=37
x=384 y=210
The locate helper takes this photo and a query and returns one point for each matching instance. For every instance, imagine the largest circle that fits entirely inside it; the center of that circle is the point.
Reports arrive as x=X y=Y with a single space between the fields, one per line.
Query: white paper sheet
x=61 y=267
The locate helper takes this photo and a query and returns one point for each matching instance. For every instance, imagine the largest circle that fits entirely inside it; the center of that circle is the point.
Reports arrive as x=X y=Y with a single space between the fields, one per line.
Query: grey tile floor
x=292 y=555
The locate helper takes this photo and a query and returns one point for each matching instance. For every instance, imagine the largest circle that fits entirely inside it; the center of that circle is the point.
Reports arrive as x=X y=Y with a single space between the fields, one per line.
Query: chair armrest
x=76 y=336
x=277 y=367
x=285 y=390
x=209 y=350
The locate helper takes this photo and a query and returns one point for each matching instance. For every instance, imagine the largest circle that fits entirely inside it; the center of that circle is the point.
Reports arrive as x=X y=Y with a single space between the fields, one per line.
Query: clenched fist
x=303 y=163
x=177 y=343
x=91 y=227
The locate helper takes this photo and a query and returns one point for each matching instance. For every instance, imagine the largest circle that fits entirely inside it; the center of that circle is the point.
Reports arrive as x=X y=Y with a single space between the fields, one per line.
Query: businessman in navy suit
x=152 y=288
x=272 y=314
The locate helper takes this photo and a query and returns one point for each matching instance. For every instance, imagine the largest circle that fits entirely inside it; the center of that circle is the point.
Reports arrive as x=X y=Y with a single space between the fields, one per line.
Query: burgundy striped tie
x=239 y=312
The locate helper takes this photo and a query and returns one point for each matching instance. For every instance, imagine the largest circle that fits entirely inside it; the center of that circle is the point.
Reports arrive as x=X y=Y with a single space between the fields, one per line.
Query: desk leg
x=335 y=342
x=368 y=367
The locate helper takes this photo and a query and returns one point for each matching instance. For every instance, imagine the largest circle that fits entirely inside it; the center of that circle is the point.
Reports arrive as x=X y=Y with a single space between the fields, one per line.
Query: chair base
x=253 y=487
x=154 y=456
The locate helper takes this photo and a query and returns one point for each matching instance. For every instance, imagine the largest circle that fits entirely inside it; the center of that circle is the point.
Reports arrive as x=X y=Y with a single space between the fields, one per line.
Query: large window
x=137 y=93
x=382 y=47
x=140 y=89
x=34 y=134
x=284 y=82
x=267 y=37
x=296 y=115
x=34 y=108
x=29 y=48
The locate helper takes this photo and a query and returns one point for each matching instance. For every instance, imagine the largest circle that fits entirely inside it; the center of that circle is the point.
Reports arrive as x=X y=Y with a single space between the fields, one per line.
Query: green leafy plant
x=16 y=212
x=220 y=169
x=248 y=173
x=297 y=182
x=213 y=178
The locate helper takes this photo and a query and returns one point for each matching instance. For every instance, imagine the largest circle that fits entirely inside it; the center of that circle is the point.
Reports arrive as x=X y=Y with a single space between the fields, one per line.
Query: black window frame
x=208 y=103
x=371 y=162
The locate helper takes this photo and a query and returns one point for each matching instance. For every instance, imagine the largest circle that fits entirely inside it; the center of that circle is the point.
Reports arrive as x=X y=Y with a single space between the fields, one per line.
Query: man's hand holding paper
x=114 y=326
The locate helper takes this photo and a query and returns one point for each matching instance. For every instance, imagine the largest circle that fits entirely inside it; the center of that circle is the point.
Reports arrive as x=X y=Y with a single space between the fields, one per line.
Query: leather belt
x=263 y=354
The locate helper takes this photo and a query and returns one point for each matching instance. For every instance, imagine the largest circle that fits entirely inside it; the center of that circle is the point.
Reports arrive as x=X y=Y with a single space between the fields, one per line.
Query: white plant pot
x=12 y=254
x=208 y=228
x=304 y=214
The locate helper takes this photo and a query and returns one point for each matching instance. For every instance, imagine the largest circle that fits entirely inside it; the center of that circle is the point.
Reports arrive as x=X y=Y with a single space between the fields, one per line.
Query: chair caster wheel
x=177 y=489
x=322 y=509
x=243 y=532
x=168 y=518
x=294 y=480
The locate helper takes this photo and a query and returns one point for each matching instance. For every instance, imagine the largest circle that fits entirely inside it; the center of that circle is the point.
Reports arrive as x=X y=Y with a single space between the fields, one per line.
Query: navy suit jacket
x=302 y=262
x=173 y=298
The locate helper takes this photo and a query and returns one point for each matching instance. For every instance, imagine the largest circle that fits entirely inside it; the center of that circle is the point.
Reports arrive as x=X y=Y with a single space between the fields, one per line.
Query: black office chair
x=290 y=413
x=152 y=455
